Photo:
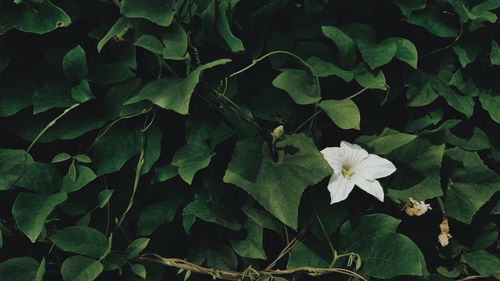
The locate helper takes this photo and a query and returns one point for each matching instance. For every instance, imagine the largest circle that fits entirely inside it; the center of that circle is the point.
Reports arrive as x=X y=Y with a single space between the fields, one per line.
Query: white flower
x=352 y=165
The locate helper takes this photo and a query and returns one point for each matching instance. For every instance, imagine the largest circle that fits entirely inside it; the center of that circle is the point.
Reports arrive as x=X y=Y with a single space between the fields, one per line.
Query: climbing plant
x=235 y=140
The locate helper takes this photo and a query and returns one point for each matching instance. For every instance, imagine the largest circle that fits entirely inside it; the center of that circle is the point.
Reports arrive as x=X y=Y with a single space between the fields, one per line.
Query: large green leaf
x=156 y=11
x=299 y=84
x=12 y=165
x=19 y=269
x=376 y=55
x=491 y=104
x=40 y=177
x=176 y=42
x=471 y=184
x=430 y=19
x=384 y=252
x=81 y=240
x=406 y=51
x=191 y=158
x=116 y=147
x=344 y=113
x=38 y=17
x=31 y=210
x=277 y=184
x=251 y=246
x=344 y=43
x=174 y=93
x=75 y=64
x=80 y=268
x=483 y=263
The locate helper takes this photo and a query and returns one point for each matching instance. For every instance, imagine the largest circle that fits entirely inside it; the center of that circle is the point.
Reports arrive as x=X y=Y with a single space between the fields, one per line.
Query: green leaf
x=376 y=55
x=84 y=175
x=483 y=263
x=75 y=64
x=277 y=185
x=222 y=257
x=344 y=43
x=491 y=104
x=191 y=158
x=152 y=148
x=176 y=42
x=156 y=11
x=408 y=7
x=112 y=73
x=115 y=148
x=19 y=269
x=388 y=141
x=136 y=247
x=12 y=163
x=52 y=96
x=370 y=79
x=216 y=15
x=80 y=268
x=261 y=217
x=173 y=93
x=344 y=113
x=103 y=197
x=16 y=93
x=251 y=246
x=40 y=178
x=139 y=269
x=309 y=252
x=81 y=92
x=471 y=184
x=463 y=104
x=61 y=157
x=420 y=91
x=430 y=19
x=81 y=240
x=478 y=141
x=31 y=210
x=495 y=53
x=384 y=253
x=119 y=28
x=41 y=271
x=154 y=215
x=419 y=164
x=467 y=51
x=71 y=175
x=82 y=158
x=150 y=43
x=205 y=208
x=324 y=69
x=39 y=18
x=406 y=51
x=164 y=173
x=299 y=84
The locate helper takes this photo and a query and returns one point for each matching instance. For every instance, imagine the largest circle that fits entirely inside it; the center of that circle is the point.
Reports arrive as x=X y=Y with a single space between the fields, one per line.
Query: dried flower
x=417 y=208
x=444 y=236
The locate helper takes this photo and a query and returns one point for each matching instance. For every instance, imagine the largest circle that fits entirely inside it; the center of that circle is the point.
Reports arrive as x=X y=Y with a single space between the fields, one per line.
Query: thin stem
x=441 y=205
x=334 y=253
x=52 y=123
x=307 y=120
x=447 y=46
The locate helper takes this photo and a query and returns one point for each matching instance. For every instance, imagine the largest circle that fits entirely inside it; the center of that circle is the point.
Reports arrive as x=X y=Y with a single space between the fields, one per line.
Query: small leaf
x=75 y=64
x=324 y=69
x=150 y=43
x=191 y=158
x=80 y=268
x=31 y=210
x=491 y=103
x=165 y=173
x=81 y=92
x=176 y=42
x=136 y=247
x=81 y=240
x=139 y=269
x=495 y=53
x=82 y=158
x=154 y=215
x=72 y=172
x=121 y=25
x=406 y=51
x=370 y=79
x=84 y=175
x=103 y=197
x=299 y=84
x=344 y=113
x=156 y=11
x=61 y=157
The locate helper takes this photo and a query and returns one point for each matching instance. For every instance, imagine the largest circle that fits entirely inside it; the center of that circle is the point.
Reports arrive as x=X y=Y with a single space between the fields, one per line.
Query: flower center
x=347 y=172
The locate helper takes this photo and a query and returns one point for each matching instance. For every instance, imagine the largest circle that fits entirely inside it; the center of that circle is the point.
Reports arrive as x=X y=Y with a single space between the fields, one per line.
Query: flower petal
x=339 y=188
x=374 y=167
x=373 y=187
x=353 y=153
x=335 y=157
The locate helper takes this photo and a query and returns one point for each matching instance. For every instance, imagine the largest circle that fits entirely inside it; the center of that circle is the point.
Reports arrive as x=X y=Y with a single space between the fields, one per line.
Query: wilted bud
x=444 y=236
x=417 y=208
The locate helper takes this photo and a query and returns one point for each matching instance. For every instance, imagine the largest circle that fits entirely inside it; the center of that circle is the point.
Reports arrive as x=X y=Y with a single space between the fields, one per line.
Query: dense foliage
x=133 y=130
